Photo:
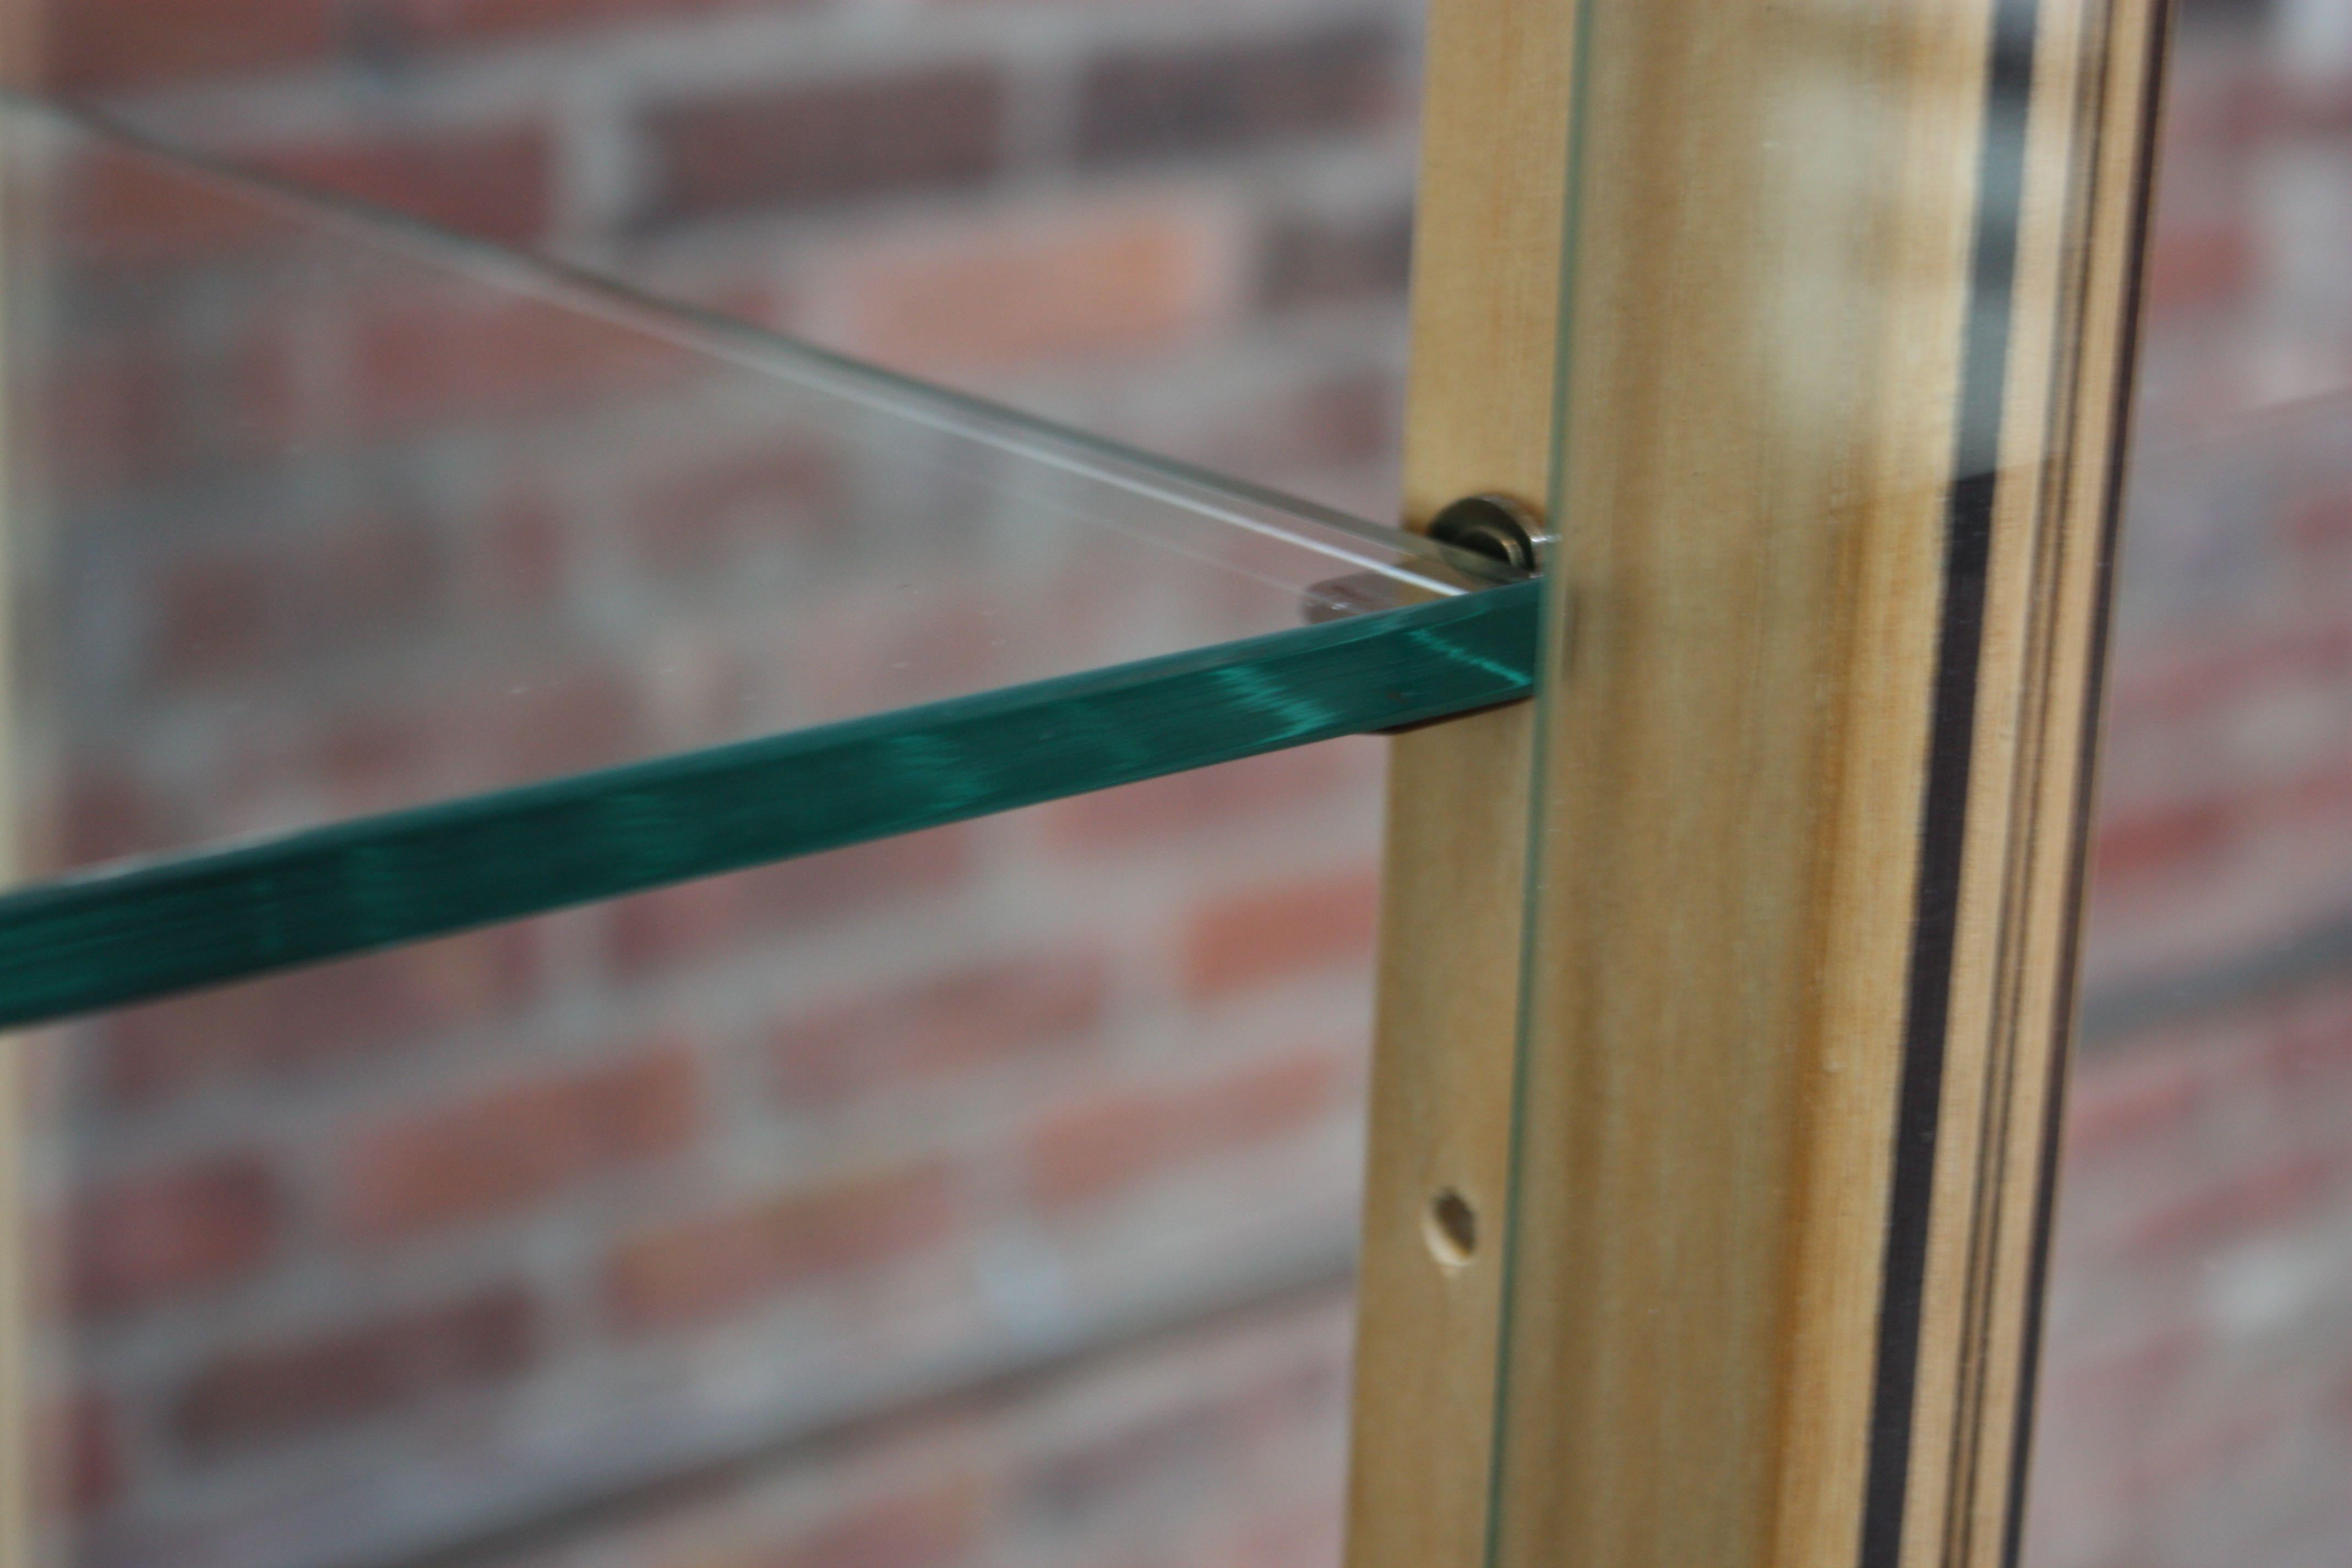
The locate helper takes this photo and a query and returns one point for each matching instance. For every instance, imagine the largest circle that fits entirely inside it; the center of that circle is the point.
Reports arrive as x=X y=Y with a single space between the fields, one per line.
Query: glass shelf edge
x=139 y=931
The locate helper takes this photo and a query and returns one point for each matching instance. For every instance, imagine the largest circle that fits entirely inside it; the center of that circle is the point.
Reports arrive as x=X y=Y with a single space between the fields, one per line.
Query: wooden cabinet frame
x=1724 y=1002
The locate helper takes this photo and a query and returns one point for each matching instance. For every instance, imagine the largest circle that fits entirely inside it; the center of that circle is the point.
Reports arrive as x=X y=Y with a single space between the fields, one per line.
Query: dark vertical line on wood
x=2052 y=549
x=1951 y=741
x=2150 y=108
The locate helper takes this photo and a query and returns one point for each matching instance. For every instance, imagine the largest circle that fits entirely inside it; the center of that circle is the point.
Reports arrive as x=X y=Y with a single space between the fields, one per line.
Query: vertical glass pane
x=2198 y=1345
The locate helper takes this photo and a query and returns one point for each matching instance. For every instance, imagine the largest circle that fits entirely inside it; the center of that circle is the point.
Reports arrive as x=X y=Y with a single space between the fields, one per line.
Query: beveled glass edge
x=145 y=930
x=1359 y=544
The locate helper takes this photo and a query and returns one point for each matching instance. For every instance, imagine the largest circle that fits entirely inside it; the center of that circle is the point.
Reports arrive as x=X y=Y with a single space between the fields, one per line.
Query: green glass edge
x=147 y=930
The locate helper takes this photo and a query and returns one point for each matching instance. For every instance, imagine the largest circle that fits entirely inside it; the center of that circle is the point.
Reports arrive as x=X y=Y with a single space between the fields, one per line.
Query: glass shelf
x=352 y=569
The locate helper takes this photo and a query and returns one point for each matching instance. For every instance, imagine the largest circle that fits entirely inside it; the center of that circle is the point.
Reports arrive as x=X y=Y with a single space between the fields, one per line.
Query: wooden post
x=1487 y=266
x=1825 y=390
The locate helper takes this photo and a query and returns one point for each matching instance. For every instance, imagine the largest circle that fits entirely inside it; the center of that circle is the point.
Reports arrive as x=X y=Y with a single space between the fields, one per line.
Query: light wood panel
x=1481 y=420
x=1831 y=444
x=2098 y=95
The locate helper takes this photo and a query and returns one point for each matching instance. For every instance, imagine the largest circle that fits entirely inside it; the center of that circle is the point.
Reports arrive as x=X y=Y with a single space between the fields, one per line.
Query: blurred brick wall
x=2197 y=1389
x=981 y=1198
x=1186 y=222
x=485 y=1241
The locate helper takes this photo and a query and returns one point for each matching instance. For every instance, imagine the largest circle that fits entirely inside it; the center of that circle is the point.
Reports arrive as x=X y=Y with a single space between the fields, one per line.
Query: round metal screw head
x=1494 y=526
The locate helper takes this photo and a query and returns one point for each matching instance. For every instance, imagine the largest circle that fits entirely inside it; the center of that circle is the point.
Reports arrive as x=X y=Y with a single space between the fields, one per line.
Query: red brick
x=2237 y=1206
x=2192 y=267
x=2201 y=1459
x=927 y=1527
x=2321 y=107
x=213 y=617
x=725 y=1262
x=1110 y=1467
x=2320 y=524
x=722 y=915
x=1341 y=416
x=2220 y=97
x=439 y=357
x=2163 y=838
x=1051 y=290
x=1349 y=418
x=1093 y=1476
x=124 y=209
x=1093 y=1149
x=109 y=419
x=406 y=358
x=228 y=612
x=2315 y=798
x=515 y=725
x=1228 y=96
x=503 y=1150
x=165 y=1235
x=1042 y=1007
x=1313 y=1531
x=77 y=1449
x=105 y=813
x=284 y=1391
x=2119 y=1102
x=893 y=641
x=2312 y=1039
x=829 y=143
x=373 y=760
x=497 y=184
x=528 y=549
x=110 y=44
x=742 y=504
x=461 y=22
x=2140 y=1377
x=1270 y=934
x=1312 y=259
x=322 y=1019
x=546 y=724
x=2176 y=683
x=1221 y=800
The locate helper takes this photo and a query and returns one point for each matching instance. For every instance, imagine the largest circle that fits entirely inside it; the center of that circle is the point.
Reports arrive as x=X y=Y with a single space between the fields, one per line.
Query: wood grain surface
x=1482 y=419
x=1849 y=301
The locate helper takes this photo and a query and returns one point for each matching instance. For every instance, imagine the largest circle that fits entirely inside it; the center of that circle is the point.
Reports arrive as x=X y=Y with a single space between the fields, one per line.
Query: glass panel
x=509 y=527
x=2200 y=1342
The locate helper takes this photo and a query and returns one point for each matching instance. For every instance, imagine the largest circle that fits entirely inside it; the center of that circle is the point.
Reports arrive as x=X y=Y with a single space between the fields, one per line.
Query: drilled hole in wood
x=1451 y=1226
